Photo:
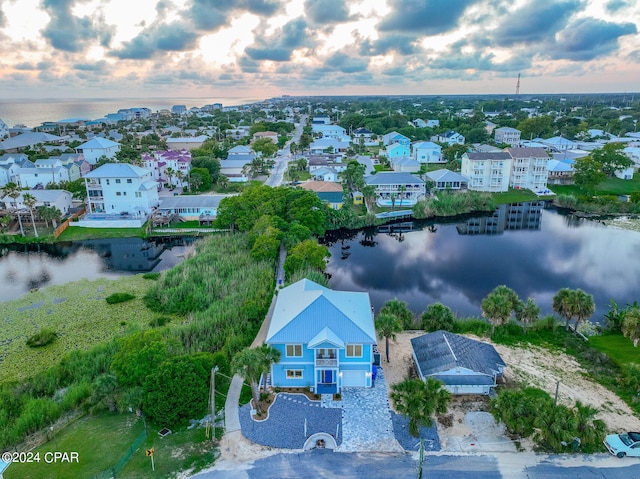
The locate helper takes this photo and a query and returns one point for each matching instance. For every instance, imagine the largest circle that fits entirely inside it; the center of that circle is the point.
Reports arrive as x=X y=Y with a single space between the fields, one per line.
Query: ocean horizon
x=33 y=112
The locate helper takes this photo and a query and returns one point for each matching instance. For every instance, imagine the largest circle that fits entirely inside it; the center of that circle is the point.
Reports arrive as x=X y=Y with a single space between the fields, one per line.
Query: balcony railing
x=326 y=361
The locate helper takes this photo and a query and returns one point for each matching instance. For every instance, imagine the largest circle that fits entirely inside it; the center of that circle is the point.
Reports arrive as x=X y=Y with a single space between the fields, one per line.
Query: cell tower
x=518 y=85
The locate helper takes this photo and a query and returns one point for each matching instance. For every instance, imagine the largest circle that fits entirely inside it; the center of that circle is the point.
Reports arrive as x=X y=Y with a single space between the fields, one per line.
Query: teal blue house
x=325 y=338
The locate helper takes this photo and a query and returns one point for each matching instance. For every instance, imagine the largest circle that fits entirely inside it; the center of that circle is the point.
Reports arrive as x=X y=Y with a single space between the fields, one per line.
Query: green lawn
x=182 y=450
x=611 y=186
x=100 y=441
x=77 y=312
x=75 y=233
x=617 y=347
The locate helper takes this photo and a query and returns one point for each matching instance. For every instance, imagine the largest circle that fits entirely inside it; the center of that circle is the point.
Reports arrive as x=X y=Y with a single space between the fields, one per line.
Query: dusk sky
x=264 y=48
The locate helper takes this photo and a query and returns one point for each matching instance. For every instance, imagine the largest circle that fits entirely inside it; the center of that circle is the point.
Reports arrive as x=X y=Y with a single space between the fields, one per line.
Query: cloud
x=387 y=43
x=69 y=33
x=279 y=46
x=615 y=5
x=3 y=18
x=346 y=63
x=100 y=66
x=535 y=22
x=174 y=37
x=428 y=17
x=210 y=15
x=321 y=12
x=589 y=38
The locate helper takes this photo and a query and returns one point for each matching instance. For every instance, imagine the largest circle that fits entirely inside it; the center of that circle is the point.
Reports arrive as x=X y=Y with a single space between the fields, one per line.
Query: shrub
x=152 y=276
x=476 y=326
x=159 y=321
x=119 y=298
x=437 y=316
x=42 y=338
x=75 y=395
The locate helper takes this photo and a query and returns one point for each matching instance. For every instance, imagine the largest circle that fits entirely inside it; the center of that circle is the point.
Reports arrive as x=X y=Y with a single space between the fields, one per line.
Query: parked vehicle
x=623 y=444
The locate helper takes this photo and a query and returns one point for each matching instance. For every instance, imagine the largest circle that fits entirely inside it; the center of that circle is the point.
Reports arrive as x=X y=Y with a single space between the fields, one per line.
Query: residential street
x=324 y=463
x=281 y=161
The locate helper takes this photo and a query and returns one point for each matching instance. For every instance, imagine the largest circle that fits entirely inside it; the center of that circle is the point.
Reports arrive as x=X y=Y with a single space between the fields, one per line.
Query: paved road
x=386 y=466
x=281 y=162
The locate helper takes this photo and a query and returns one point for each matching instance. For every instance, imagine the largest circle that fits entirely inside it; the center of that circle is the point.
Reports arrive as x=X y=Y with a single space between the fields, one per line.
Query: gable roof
x=447 y=175
x=528 y=152
x=472 y=155
x=322 y=186
x=97 y=143
x=305 y=308
x=117 y=170
x=442 y=351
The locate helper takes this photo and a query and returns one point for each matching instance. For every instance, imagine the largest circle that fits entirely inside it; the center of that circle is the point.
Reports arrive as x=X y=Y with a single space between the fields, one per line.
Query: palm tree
x=30 y=202
x=585 y=307
x=387 y=326
x=180 y=177
x=251 y=364
x=369 y=194
x=498 y=306
x=437 y=316
x=400 y=310
x=562 y=305
x=527 y=313
x=419 y=400
x=401 y=191
x=13 y=191
x=631 y=326
x=169 y=172
x=224 y=181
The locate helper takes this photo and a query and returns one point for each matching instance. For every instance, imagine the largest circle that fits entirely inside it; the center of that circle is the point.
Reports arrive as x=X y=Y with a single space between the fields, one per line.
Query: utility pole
x=555 y=401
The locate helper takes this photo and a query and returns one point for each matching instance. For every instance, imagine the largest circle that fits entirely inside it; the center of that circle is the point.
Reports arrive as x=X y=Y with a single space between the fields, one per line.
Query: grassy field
x=77 y=312
x=76 y=233
x=617 y=347
x=100 y=441
x=182 y=450
x=611 y=186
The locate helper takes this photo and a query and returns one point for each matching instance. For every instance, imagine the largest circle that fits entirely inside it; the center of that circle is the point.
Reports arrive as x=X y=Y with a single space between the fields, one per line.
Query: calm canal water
x=533 y=250
x=24 y=267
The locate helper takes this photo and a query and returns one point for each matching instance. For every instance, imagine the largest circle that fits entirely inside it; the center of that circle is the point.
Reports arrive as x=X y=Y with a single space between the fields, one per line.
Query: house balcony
x=327 y=362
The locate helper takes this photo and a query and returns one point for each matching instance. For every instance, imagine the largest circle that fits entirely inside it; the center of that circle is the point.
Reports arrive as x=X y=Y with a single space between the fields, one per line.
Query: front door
x=327 y=376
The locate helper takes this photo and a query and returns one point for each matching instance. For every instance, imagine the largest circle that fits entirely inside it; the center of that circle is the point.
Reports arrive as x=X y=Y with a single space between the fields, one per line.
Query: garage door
x=354 y=378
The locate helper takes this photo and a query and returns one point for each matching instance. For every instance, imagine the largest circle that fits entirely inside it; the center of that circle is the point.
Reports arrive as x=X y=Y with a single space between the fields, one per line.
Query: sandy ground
x=533 y=366
x=625 y=223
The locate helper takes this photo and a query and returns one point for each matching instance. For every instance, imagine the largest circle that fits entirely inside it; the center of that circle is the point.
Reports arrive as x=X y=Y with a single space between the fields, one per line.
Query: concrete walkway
x=231 y=405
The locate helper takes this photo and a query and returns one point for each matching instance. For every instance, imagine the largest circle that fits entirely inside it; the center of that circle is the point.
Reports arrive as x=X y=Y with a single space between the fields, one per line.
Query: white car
x=623 y=444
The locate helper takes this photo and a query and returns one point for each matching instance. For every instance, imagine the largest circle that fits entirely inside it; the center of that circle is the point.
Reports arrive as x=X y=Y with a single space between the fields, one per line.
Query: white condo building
x=487 y=171
x=529 y=168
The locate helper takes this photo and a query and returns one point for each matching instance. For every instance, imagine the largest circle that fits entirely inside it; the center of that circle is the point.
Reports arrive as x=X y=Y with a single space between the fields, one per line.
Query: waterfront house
x=464 y=365
x=202 y=208
x=559 y=173
x=447 y=180
x=10 y=164
x=98 y=147
x=396 y=188
x=487 y=171
x=329 y=192
x=325 y=338
x=508 y=135
x=60 y=199
x=119 y=195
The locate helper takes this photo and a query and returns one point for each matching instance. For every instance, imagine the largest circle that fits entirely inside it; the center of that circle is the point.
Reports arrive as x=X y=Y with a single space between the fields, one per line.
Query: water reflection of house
x=127 y=254
x=517 y=216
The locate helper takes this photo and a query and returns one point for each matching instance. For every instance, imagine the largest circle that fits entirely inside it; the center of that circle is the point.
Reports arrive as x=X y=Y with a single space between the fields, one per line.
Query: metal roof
x=393 y=178
x=305 y=308
x=118 y=170
x=200 y=201
x=441 y=351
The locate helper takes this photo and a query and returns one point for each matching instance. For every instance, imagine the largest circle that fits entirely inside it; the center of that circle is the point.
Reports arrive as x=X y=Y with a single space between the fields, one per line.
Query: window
x=294 y=350
x=294 y=373
x=354 y=350
x=117 y=181
x=107 y=181
x=129 y=180
x=118 y=193
x=138 y=194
